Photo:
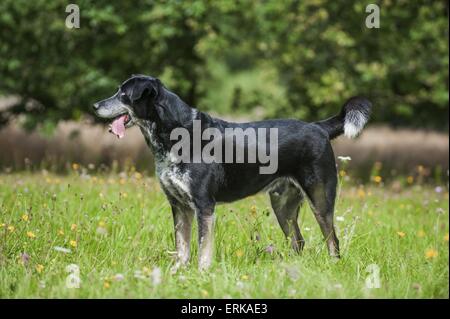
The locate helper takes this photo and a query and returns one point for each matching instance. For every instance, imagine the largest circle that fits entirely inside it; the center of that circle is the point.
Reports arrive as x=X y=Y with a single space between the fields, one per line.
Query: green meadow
x=91 y=235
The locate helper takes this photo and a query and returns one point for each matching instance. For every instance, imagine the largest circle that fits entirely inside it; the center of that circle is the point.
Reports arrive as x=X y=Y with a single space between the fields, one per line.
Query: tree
x=325 y=54
x=58 y=72
x=322 y=53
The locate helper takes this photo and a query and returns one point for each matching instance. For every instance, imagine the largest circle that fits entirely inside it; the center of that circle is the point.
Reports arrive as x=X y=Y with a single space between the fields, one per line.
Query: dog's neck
x=173 y=113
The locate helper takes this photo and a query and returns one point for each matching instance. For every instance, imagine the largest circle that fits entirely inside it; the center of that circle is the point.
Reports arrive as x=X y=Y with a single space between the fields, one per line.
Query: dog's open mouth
x=120 y=123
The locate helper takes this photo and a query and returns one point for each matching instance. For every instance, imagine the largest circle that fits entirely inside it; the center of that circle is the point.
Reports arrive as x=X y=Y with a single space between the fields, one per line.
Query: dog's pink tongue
x=118 y=126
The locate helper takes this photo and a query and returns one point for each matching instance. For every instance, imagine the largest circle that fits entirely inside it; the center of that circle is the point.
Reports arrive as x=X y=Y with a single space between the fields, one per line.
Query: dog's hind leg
x=286 y=198
x=319 y=182
x=182 y=218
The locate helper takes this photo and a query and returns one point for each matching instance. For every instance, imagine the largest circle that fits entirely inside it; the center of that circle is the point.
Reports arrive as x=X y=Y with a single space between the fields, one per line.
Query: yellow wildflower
x=377 y=179
x=73 y=227
x=39 y=268
x=410 y=179
x=101 y=223
x=25 y=217
x=11 y=228
x=446 y=237
x=204 y=293
x=421 y=233
x=401 y=234
x=75 y=166
x=244 y=277
x=30 y=234
x=431 y=253
x=61 y=232
x=239 y=253
x=73 y=243
x=342 y=173
x=106 y=284
x=361 y=193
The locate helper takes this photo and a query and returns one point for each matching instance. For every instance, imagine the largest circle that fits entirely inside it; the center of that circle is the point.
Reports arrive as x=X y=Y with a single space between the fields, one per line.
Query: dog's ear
x=173 y=112
x=142 y=88
x=148 y=86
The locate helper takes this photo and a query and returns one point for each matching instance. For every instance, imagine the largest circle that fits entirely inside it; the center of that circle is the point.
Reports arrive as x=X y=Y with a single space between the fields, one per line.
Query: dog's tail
x=350 y=121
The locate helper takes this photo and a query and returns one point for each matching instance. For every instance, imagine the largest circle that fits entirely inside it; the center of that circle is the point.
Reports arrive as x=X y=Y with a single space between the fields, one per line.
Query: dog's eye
x=124 y=97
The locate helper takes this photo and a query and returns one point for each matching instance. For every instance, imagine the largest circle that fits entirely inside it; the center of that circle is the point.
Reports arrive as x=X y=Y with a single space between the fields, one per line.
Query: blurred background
x=239 y=60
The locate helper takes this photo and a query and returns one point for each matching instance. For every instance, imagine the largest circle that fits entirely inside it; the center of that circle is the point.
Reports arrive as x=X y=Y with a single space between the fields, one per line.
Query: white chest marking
x=174 y=180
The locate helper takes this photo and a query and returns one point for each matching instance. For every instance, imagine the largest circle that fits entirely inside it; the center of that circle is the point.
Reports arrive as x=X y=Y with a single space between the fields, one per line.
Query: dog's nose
x=95 y=106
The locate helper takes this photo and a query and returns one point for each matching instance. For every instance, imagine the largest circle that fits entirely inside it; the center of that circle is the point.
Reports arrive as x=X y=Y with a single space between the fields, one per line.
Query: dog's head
x=132 y=102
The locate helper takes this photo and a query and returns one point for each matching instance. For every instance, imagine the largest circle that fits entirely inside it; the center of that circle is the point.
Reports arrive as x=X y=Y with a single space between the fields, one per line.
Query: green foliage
x=240 y=92
x=59 y=72
x=325 y=54
x=317 y=54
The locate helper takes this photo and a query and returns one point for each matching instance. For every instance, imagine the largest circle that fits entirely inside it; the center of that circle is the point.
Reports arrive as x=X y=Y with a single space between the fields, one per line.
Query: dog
x=306 y=163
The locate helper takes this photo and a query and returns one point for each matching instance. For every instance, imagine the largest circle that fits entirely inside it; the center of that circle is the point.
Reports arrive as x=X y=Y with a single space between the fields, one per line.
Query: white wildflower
x=62 y=249
x=118 y=277
x=344 y=158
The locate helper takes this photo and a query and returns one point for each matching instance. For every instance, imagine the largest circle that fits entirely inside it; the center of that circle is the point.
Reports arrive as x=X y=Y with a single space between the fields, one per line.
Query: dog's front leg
x=205 y=237
x=182 y=218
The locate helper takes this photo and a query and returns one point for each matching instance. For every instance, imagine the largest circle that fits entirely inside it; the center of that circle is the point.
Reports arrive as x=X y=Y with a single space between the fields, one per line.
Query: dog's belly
x=238 y=189
x=243 y=180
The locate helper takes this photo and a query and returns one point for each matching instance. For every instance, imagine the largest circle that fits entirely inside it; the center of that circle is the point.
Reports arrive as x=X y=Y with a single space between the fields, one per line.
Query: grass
x=119 y=232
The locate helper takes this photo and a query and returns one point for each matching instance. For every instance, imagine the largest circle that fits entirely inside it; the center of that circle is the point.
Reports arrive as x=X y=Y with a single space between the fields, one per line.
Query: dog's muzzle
x=113 y=109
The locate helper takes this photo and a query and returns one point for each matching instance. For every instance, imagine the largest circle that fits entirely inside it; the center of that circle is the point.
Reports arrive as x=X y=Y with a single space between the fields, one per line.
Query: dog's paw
x=176 y=267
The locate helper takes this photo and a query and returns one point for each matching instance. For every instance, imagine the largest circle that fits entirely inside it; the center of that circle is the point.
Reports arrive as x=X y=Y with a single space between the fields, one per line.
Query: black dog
x=306 y=163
